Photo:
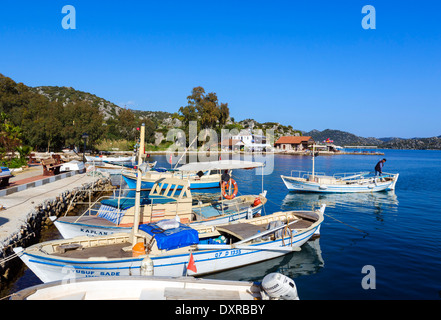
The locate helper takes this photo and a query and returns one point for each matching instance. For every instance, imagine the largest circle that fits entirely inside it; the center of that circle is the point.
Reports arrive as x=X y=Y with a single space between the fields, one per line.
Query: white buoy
x=147 y=266
x=279 y=286
x=249 y=213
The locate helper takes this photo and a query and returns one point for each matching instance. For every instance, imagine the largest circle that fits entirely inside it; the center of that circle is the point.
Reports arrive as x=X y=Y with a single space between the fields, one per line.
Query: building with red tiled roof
x=294 y=143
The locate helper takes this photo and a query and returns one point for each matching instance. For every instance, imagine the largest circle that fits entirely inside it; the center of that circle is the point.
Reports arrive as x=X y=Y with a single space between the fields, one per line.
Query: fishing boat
x=171 y=248
x=73 y=165
x=168 y=199
x=340 y=182
x=111 y=159
x=120 y=167
x=197 y=179
x=273 y=286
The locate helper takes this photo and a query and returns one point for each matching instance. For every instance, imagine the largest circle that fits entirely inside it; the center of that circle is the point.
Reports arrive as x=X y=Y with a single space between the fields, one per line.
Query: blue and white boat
x=200 y=175
x=173 y=249
x=4 y=171
x=205 y=181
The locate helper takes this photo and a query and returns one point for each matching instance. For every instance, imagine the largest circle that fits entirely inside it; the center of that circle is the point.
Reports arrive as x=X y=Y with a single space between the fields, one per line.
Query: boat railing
x=304 y=174
x=348 y=176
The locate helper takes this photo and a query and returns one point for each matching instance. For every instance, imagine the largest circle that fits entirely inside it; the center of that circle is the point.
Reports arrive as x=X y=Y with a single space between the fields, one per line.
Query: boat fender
x=279 y=287
x=249 y=213
x=147 y=268
x=257 y=201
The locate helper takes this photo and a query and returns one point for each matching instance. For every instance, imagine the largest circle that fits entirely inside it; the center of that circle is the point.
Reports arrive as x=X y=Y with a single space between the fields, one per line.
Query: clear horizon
x=306 y=64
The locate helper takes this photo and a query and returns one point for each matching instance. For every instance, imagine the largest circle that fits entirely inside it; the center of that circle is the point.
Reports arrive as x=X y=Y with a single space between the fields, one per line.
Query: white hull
x=370 y=185
x=143 y=288
x=73 y=166
x=54 y=268
x=208 y=258
x=111 y=159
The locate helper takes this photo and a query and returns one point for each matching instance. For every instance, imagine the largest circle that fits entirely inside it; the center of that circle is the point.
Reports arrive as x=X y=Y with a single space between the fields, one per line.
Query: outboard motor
x=279 y=286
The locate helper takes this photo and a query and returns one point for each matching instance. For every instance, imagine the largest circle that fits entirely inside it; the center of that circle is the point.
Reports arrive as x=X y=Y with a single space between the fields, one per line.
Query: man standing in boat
x=226 y=176
x=379 y=167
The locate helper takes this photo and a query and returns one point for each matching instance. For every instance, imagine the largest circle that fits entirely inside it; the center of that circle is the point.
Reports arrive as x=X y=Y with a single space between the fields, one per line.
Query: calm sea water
x=395 y=232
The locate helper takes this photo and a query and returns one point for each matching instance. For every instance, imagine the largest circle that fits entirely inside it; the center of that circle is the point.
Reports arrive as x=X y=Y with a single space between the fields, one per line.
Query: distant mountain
x=433 y=143
x=342 y=138
x=389 y=139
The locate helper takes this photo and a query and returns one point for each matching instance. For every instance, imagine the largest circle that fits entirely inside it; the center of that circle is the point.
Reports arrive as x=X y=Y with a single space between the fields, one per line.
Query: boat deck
x=246 y=230
x=90 y=220
x=108 y=251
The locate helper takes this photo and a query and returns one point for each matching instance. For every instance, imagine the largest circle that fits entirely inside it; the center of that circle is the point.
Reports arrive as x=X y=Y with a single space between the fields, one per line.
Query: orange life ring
x=257 y=202
x=225 y=186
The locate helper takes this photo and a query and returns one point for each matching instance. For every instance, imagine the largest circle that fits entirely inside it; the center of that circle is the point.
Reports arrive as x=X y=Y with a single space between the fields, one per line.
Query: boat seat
x=68 y=247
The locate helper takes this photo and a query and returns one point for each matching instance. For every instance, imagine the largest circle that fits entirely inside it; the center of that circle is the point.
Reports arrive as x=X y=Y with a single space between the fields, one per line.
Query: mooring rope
x=325 y=214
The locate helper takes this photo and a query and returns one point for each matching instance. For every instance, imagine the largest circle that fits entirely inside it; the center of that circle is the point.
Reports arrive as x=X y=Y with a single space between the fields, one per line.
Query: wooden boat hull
x=303 y=185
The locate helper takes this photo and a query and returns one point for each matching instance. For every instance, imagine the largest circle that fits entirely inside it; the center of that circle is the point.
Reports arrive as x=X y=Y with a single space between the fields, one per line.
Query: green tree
x=205 y=109
x=9 y=136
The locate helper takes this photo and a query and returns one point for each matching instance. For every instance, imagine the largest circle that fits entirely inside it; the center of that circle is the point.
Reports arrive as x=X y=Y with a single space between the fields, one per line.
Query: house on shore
x=231 y=145
x=252 y=142
x=293 y=143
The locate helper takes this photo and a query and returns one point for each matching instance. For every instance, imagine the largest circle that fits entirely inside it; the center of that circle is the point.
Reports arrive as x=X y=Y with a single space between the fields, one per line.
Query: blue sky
x=309 y=64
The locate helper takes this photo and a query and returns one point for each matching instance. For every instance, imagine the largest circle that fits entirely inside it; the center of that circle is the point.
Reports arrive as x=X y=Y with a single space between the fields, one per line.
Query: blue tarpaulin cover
x=181 y=236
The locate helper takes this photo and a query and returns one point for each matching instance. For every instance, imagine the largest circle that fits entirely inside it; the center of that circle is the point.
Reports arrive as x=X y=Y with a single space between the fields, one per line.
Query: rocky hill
x=69 y=94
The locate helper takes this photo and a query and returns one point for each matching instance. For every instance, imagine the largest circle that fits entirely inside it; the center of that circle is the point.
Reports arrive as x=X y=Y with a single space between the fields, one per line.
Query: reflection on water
x=310 y=201
x=308 y=261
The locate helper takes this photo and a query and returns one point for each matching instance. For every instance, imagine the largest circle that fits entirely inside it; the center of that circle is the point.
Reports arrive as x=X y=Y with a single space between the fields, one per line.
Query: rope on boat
x=366 y=233
x=14 y=255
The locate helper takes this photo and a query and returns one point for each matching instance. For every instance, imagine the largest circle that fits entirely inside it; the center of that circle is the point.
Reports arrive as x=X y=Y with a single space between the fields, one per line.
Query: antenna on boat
x=138 y=188
x=313 y=161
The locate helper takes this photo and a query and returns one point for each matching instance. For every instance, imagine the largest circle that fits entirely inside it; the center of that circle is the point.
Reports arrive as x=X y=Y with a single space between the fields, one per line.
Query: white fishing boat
x=171 y=248
x=273 y=286
x=73 y=165
x=340 y=182
x=120 y=167
x=168 y=199
x=111 y=159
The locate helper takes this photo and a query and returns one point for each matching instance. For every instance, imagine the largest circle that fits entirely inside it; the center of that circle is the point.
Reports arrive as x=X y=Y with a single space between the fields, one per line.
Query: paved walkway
x=20 y=204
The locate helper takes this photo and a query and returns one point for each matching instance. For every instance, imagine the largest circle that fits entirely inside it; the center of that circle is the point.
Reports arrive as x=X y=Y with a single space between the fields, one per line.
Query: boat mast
x=138 y=188
x=313 y=161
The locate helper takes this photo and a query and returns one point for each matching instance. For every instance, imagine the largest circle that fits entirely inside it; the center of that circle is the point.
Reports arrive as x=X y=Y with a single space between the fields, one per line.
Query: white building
x=251 y=141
